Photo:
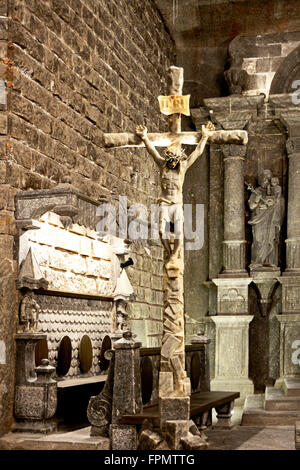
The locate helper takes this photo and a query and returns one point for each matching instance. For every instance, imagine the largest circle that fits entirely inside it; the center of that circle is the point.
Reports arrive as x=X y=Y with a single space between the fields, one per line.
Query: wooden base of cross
x=174 y=385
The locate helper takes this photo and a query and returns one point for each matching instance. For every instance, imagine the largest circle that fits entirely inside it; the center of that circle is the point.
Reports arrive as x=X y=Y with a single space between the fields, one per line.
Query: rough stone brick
x=82 y=68
x=3 y=124
x=263 y=65
x=3 y=7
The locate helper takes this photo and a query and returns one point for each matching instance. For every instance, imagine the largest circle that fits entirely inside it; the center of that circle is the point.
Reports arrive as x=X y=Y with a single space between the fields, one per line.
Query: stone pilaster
x=291 y=121
x=289 y=347
x=234 y=211
x=127 y=398
x=293 y=222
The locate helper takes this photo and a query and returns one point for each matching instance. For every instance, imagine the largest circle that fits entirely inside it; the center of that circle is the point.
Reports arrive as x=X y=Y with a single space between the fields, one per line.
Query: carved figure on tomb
x=174 y=165
x=29 y=313
x=121 y=316
x=267 y=206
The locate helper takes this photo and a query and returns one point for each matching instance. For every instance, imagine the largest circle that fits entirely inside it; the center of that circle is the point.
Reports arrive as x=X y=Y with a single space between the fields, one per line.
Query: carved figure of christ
x=174 y=166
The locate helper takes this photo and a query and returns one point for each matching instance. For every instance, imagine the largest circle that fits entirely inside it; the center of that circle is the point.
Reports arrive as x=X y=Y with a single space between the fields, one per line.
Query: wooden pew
x=203 y=401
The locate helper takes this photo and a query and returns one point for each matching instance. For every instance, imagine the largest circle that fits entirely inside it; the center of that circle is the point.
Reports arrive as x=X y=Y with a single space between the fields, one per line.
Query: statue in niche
x=267 y=206
x=29 y=313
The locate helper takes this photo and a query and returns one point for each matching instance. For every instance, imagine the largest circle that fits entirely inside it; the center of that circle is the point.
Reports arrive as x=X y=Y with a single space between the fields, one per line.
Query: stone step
x=277 y=400
x=255 y=415
x=74 y=440
x=291 y=387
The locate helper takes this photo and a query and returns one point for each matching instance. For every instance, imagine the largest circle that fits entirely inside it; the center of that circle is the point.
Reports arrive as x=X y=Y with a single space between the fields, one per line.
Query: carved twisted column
x=234 y=211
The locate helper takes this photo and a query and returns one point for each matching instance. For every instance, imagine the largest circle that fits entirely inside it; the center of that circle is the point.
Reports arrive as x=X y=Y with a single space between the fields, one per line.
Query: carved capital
x=234 y=151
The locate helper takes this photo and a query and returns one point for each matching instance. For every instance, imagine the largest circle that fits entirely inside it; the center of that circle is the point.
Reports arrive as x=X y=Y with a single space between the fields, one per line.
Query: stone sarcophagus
x=73 y=289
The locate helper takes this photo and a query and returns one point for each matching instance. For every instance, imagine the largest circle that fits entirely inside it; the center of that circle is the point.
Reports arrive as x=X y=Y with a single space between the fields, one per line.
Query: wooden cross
x=174 y=385
x=165 y=139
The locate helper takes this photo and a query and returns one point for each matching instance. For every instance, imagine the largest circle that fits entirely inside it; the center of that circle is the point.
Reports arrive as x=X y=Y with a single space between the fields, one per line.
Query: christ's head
x=173 y=154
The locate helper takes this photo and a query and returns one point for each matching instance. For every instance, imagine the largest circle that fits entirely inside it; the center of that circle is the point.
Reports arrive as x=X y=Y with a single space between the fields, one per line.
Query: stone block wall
x=69 y=72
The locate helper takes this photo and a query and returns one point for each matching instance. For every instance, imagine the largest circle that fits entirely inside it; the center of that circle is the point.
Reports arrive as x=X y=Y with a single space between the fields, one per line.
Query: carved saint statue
x=267 y=206
x=121 y=316
x=174 y=165
x=29 y=313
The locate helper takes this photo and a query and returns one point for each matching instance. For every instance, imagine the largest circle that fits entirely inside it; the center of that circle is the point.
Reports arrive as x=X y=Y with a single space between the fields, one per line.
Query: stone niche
x=72 y=286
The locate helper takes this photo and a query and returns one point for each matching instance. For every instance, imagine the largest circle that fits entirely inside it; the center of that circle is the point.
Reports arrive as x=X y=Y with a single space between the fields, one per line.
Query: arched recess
x=288 y=72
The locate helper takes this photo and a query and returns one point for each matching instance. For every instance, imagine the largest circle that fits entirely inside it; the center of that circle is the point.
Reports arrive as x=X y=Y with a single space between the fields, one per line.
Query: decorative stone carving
x=232 y=295
x=29 y=313
x=99 y=410
x=35 y=390
x=30 y=275
x=121 y=320
x=61 y=315
x=267 y=206
x=64 y=200
x=123 y=294
x=235 y=76
x=265 y=282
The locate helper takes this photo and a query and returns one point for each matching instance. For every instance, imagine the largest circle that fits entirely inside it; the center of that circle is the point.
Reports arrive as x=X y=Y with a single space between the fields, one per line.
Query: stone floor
x=239 y=438
x=251 y=438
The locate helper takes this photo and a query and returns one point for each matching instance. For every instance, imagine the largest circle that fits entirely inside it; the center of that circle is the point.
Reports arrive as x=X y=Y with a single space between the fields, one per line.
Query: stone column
x=293 y=221
x=234 y=211
x=290 y=279
x=127 y=397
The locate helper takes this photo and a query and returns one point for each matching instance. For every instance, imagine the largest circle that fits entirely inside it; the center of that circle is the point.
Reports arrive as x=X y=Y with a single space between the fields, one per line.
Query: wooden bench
x=201 y=405
x=203 y=401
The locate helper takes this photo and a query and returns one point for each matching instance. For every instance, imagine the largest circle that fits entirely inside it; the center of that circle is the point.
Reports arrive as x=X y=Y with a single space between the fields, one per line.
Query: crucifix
x=174 y=385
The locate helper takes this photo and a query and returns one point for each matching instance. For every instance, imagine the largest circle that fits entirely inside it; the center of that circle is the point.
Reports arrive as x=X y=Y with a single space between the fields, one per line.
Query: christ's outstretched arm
x=141 y=131
x=207 y=131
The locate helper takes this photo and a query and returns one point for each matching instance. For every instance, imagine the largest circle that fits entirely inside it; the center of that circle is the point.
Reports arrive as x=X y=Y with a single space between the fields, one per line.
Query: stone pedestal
x=35 y=390
x=289 y=329
x=232 y=354
x=126 y=392
x=289 y=347
x=234 y=211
